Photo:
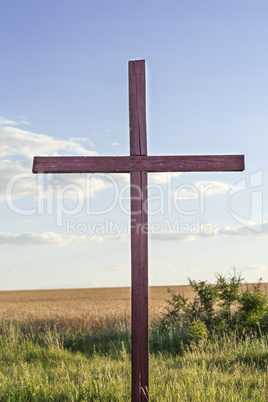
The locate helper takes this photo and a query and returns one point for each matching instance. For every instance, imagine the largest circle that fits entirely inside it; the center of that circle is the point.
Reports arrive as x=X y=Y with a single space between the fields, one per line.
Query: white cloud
x=194 y=269
x=201 y=188
x=117 y=267
x=73 y=285
x=8 y=271
x=75 y=186
x=173 y=236
x=114 y=144
x=252 y=272
x=210 y=232
x=17 y=151
x=153 y=178
x=4 y=122
x=121 y=178
x=17 y=182
x=44 y=239
x=24 y=187
x=213 y=187
x=18 y=142
x=254 y=268
x=162 y=178
x=83 y=139
x=123 y=237
x=24 y=122
x=242 y=231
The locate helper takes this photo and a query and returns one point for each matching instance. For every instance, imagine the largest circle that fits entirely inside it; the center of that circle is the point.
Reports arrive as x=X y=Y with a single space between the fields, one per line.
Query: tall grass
x=38 y=365
x=211 y=347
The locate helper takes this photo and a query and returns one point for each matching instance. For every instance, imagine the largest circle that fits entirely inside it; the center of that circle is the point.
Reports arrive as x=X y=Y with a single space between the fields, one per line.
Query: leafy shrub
x=253 y=311
x=219 y=308
x=175 y=313
x=207 y=295
x=197 y=330
x=228 y=292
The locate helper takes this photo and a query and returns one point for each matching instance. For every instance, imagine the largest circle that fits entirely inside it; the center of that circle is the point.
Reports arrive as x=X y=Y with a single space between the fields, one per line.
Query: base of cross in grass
x=138 y=164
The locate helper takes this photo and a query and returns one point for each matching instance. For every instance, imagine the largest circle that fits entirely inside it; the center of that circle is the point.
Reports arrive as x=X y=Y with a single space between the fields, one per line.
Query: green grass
x=51 y=366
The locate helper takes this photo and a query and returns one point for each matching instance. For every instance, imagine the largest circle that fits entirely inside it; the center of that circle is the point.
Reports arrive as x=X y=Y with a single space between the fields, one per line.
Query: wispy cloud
x=162 y=178
x=16 y=153
x=17 y=181
x=117 y=267
x=8 y=271
x=123 y=237
x=4 y=122
x=174 y=236
x=242 y=231
x=201 y=188
x=83 y=139
x=24 y=122
x=44 y=239
x=252 y=273
x=253 y=268
x=25 y=186
x=18 y=142
x=74 y=285
x=153 y=178
x=199 y=233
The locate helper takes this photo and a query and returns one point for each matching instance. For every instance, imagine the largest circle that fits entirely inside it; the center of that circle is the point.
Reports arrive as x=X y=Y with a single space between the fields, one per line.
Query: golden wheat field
x=82 y=309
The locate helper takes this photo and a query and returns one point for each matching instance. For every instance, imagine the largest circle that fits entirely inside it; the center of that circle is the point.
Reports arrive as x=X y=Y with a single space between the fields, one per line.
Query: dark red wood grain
x=137 y=107
x=126 y=164
x=139 y=235
x=139 y=286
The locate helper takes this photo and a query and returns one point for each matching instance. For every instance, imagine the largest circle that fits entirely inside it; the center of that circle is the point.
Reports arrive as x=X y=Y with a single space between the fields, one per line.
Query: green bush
x=175 y=314
x=221 y=308
x=207 y=295
x=228 y=292
x=197 y=331
x=253 y=311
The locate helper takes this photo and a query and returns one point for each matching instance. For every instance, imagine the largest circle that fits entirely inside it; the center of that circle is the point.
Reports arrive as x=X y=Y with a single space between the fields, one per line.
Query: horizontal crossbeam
x=126 y=164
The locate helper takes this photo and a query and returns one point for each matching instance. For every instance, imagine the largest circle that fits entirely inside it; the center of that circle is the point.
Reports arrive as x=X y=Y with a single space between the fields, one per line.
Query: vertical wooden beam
x=139 y=236
x=137 y=107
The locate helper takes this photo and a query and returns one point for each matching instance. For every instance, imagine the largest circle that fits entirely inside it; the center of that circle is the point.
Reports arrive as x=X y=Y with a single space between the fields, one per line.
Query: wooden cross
x=138 y=164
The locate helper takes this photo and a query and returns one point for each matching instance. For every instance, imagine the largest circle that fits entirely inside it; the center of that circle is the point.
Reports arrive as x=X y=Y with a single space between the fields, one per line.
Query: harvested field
x=82 y=309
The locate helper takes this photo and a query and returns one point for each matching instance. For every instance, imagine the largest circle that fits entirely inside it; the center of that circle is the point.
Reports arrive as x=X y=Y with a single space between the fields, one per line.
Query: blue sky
x=64 y=91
